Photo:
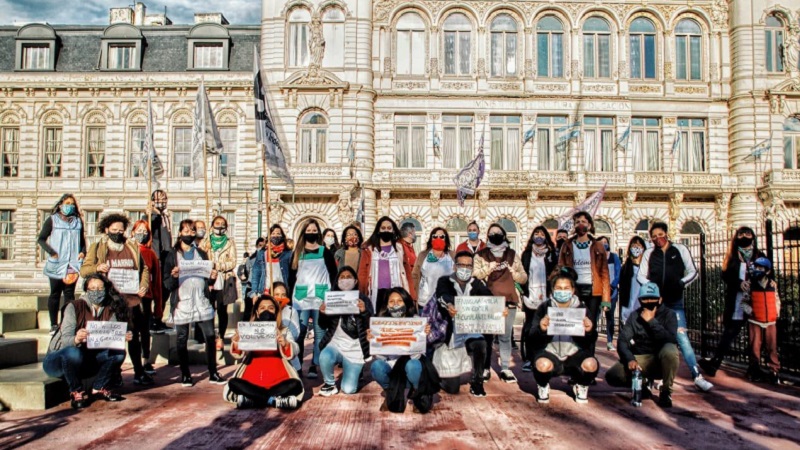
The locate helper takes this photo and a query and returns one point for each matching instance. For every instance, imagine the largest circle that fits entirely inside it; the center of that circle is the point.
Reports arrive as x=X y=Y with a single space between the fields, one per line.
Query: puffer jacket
x=354 y=326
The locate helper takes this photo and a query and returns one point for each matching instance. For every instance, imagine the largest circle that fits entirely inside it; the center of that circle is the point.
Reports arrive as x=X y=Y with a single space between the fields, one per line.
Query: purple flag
x=469 y=177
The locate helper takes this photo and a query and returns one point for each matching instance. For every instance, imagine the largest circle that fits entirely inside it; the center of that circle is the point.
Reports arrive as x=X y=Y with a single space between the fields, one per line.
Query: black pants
x=248 y=307
x=729 y=334
x=526 y=330
x=476 y=348
x=207 y=327
x=570 y=366
x=260 y=395
x=147 y=307
x=139 y=346
x=592 y=303
x=57 y=287
x=222 y=313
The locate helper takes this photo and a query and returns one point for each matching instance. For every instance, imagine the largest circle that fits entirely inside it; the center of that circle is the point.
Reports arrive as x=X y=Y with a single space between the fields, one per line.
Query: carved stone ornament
x=483 y=203
x=345 y=206
x=628 y=199
x=386 y=201
x=675 y=201
x=530 y=203
x=721 y=204
x=719 y=13
x=435 y=201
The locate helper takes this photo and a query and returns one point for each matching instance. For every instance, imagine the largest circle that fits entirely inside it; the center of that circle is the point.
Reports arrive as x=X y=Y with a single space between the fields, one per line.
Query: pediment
x=314 y=79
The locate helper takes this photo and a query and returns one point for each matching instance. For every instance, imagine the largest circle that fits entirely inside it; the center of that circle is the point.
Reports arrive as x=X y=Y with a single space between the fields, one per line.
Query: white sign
x=566 y=321
x=482 y=315
x=106 y=335
x=341 y=302
x=395 y=337
x=195 y=268
x=258 y=336
x=125 y=280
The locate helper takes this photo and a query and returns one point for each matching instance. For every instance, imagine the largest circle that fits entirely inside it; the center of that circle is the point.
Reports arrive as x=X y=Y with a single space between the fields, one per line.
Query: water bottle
x=636 y=388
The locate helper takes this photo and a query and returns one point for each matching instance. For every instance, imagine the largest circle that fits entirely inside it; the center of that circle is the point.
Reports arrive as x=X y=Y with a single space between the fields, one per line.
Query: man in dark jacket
x=648 y=342
x=161 y=235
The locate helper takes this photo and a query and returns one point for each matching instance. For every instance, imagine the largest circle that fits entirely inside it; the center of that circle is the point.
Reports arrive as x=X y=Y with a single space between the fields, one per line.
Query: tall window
x=313 y=138
x=36 y=56
x=598 y=143
x=230 y=143
x=298 y=37
x=692 y=147
x=773 y=37
x=690 y=233
x=9 y=152
x=457 y=45
x=333 y=30
x=177 y=218
x=645 y=142
x=52 y=152
x=643 y=49
x=6 y=234
x=791 y=143
x=122 y=56
x=550 y=156
x=136 y=150
x=209 y=56
x=90 y=219
x=504 y=46
x=506 y=141
x=602 y=228
x=596 y=48
x=182 y=151
x=550 y=47
x=410 y=45
x=95 y=151
x=688 y=50
x=409 y=141
x=457 y=141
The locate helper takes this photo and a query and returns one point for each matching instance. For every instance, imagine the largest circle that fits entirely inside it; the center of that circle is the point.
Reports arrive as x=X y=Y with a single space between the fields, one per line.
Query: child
x=763 y=309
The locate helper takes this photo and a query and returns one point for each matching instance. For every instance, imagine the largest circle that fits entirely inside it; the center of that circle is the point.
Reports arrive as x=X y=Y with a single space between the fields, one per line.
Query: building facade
x=669 y=100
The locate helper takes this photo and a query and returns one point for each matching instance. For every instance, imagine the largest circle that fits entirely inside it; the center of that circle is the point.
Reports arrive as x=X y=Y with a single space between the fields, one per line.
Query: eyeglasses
x=438 y=236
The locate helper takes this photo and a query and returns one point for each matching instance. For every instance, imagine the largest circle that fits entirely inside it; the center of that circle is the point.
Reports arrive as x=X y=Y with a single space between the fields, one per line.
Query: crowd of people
x=133 y=274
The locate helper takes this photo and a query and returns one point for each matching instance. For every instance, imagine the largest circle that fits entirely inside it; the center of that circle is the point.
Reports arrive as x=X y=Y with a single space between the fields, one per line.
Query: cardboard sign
x=483 y=315
x=341 y=302
x=106 y=335
x=195 y=268
x=397 y=337
x=126 y=281
x=258 y=336
x=566 y=321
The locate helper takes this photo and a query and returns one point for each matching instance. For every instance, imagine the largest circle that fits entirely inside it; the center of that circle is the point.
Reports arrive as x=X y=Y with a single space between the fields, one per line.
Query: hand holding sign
x=126 y=281
x=195 y=268
x=483 y=315
x=258 y=336
x=394 y=337
x=341 y=302
x=567 y=322
x=111 y=335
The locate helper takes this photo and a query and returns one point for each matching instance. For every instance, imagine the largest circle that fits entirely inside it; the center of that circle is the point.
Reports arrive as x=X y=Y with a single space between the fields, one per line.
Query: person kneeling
x=557 y=355
x=266 y=377
x=648 y=342
x=68 y=355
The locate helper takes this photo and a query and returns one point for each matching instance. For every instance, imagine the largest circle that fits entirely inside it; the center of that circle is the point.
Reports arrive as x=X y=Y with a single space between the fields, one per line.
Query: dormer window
x=209 y=45
x=36 y=48
x=122 y=48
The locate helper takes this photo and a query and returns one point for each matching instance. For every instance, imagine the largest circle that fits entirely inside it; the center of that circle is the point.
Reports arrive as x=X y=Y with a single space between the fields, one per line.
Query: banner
x=483 y=315
x=397 y=337
x=590 y=205
x=205 y=134
x=341 y=302
x=266 y=135
x=468 y=179
x=150 y=165
x=106 y=335
x=200 y=268
x=566 y=321
x=258 y=336
x=126 y=281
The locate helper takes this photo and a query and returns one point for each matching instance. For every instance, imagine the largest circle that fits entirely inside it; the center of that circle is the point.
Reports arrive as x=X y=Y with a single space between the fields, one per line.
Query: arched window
x=643 y=49
x=504 y=46
x=298 y=37
x=688 y=50
x=333 y=31
x=457 y=228
x=791 y=143
x=551 y=225
x=596 y=48
x=690 y=233
x=511 y=232
x=642 y=230
x=418 y=232
x=773 y=38
x=313 y=138
x=457 y=45
x=550 y=48
x=602 y=228
x=410 y=37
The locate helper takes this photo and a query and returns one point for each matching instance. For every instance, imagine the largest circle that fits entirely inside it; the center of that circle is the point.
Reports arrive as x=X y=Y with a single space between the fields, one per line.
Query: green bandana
x=217 y=242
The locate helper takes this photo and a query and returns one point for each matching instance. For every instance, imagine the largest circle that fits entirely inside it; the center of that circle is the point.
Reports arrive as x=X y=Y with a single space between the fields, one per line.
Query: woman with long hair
x=628 y=284
x=222 y=251
x=329 y=240
x=273 y=262
x=539 y=259
x=383 y=265
x=434 y=262
x=350 y=252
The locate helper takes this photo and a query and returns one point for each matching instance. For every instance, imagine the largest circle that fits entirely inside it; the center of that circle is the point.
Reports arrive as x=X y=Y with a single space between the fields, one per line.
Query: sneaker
x=477 y=390
x=243 y=402
x=544 y=394
x=328 y=389
x=186 y=381
x=216 y=378
x=78 y=400
x=312 y=373
x=665 y=400
x=703 y=384
x=508 y=376
x=774 y=378
x=610 y=347
x=143 y=379
x=709 y=366
x=149 y=369
x=53 y=329
x=527 y=367
x=285 y=402
x=487 y=374
x=581 y=393
x=105 y=394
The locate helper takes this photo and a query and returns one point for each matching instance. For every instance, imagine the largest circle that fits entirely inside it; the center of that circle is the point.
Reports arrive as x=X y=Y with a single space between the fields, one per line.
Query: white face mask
x=347 y=284
x=329 y=241
x=636 y=251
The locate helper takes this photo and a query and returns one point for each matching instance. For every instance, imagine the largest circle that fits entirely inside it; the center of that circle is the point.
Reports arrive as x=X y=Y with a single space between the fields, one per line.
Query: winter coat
x=354 y=326
x=638 y=337
x=671 y=271
x=601 y=283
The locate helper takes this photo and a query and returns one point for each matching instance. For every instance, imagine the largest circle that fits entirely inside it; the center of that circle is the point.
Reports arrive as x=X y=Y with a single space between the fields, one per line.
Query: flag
x=469 y=177
x=351 y=154
x=566 y=134
x=759 y=149
x=622 y=142
x=205 y=134
x=266 y=135
x=437 y=145
x=528 y=136
x=149 y=163
x=677 y=142
x=590 y=205
x=360 y=214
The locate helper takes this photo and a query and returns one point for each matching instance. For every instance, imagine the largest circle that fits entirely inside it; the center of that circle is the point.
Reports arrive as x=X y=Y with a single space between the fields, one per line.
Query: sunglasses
x=438 y=236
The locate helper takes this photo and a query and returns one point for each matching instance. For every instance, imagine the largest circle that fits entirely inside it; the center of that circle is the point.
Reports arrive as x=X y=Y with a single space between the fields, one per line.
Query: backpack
x=437 y=322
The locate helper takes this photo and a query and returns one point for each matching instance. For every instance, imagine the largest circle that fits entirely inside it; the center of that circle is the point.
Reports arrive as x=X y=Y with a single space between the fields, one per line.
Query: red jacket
x=462 y=247
x=154 y=266
x=764 y=302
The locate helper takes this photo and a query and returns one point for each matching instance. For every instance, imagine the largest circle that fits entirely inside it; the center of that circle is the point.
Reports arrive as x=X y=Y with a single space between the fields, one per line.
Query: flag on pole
x=590 y=205
x=266 y=136
x=529 y=135
x=622 y=142
x=437 y=145
x=361 y=214
x=149 y=163
x=759 y=149
x=205 y=134
x=677 y=142
x=566 y=134
x=469 y=177
x=351 y=154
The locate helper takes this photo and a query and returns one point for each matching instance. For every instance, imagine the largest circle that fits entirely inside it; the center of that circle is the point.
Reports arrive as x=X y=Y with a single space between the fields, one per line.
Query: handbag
x=437 y=322
x=229 y=291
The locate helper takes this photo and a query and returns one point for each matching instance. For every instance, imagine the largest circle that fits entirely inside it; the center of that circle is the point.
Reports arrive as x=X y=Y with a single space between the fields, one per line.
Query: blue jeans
x=504 y=343
x=305 y=314
x=75 y=363
x=328 y=358
x=610 y=320
x=684 y=344
x=381 y=370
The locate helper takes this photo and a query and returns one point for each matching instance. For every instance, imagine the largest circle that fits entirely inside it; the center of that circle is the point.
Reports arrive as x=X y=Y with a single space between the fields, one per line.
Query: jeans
x=504 y=343
x=207 y=327
x=328 y=358
x=75 y=363
x=139 y=346
x=610 y=320
x=313 y=314
x=381 y=371
x=684 y=344
x=57 y=286
x=222 y=313
x=663 y=366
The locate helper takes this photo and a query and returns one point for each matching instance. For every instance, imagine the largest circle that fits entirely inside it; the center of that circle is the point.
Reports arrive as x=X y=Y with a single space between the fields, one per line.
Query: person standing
x=350 y=253
x=670 y=266
x=764 y=307
x=224 y=293
x=628 y=283
x=161 y=228
x=408 y=236
x=434 y=262
x=473 y=244
x=383 y=264
x=539 y=259
x=561 y=236
x=62 y=237
x=152 y=298
x=329 y=240
x=614 y=267
x=276 y=262
x=248 y=268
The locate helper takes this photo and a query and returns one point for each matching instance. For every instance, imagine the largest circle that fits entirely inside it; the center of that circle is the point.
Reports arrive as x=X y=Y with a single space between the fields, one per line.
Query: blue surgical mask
x=538 y=240
x=472 y=235
x=562 y=296
x=68 y=210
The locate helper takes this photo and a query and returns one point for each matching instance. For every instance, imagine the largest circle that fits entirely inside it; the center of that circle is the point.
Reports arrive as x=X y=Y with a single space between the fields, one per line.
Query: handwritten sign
x=341 y=302
x=482 y=315
x=258 y=336
x=566 y=321
x=396 y=337
x=195 y=268
x=106 y=335
x=126 y=281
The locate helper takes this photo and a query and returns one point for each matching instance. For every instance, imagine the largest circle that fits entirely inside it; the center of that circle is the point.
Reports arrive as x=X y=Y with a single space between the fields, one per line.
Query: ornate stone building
x=669 y=99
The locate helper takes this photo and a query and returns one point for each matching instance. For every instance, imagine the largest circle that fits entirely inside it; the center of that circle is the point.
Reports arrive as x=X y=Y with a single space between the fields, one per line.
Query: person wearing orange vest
x=764 y=307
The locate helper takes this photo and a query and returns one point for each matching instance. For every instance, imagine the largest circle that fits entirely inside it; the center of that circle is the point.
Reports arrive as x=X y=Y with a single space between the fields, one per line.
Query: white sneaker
x=328 y=389
x=581 y=393
x=544 y=394
x=243 y=402
x=487 y=374
x=703 y=384
x=286 y=402
x=508 y=376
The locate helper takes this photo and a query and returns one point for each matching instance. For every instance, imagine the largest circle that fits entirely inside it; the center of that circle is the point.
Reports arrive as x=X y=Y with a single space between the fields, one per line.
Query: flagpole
x=266 y=207
x=149 y=191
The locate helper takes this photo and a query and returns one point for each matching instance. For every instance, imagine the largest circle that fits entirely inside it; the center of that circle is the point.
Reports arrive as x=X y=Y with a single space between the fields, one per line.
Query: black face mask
x=117 y=238
x=188 y=240
x=386 y=236
x=312 y=238
x=496 y=239
x=278 y=240
x=744 y=242
x=267 y=316
x=560 y=242
x=650 y=306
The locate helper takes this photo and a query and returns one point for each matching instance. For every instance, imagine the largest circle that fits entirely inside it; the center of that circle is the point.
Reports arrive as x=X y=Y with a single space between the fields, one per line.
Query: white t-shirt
x=582 y=261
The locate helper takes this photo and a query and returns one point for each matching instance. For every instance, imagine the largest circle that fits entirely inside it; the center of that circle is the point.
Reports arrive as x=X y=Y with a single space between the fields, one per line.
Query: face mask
x=744 y=242
x=142 y=237
x=96 y=297
x=605 y=246
x=496 y=238
x=464 y=274
x=560 y=242
x=188 y=240
x=660 y=241
x=562 y=296
x=386 y=236
x=219 y=231
x=581 y=229
x=397 y=311
x=161 y=206
x=117 y=238
x=650 y=305
x=758 y=274
x=200 y=234
x=438 y=244
x=276 y=240
x=636 y=251
x=347 y=284
x=67 y=210
x=266 y=316
x=472 y=235
x=351 y=241
x=538 y=240
x=329 y=241
x=312 y=238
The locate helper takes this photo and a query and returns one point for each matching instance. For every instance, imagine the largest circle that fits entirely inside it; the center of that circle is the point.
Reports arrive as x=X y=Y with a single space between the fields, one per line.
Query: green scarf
x=217 y=242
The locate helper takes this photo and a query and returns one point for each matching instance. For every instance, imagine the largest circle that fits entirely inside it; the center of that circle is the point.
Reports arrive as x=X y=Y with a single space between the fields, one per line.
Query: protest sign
x=195 y=268
x=566 y=321
x=126 y=281
x=258 y=336
x=106 y=335
x=483 y=315
x=341 y=302
x=395 y=337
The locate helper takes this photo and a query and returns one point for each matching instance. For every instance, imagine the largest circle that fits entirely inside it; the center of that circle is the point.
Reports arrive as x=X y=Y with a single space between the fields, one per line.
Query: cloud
x=95 y=12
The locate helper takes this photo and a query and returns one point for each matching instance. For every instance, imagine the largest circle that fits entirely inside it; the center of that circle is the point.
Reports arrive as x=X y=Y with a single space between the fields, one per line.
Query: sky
x=95 y=12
